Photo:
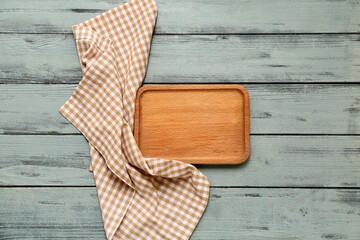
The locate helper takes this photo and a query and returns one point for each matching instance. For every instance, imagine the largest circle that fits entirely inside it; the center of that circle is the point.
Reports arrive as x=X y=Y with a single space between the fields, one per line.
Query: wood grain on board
x=35 y=213
x=48 y=58
x=274 y=109
x=191 y=17
x=281 y=161
x=197 y=124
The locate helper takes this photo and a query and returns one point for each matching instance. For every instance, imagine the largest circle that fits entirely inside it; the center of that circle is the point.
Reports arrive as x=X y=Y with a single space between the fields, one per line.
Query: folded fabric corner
x=140 y=198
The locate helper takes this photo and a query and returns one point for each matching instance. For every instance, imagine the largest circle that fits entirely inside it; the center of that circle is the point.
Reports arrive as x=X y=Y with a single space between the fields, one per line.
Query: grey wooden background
x=299 y=60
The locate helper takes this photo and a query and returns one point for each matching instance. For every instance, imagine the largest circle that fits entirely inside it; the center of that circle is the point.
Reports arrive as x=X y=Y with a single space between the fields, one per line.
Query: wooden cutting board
x=198 y=124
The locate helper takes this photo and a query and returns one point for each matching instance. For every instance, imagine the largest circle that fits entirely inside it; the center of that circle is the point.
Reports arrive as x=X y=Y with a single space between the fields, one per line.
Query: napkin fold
x=140 y=198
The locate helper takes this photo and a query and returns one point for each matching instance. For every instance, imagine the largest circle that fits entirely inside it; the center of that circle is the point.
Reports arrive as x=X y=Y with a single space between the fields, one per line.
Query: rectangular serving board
x=197 y=124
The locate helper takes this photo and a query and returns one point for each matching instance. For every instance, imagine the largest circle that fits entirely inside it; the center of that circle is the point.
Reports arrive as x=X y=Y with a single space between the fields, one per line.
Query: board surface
x=198 y=124
x=300 y=63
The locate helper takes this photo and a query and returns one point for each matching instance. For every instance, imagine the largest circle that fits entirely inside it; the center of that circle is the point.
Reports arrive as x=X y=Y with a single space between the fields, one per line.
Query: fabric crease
x=140 y=198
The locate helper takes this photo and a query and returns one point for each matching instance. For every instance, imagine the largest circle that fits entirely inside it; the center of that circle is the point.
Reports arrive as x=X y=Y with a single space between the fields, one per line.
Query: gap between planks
x=200 y=34
x=218 y=187
x=251 y=134
x=193 y=83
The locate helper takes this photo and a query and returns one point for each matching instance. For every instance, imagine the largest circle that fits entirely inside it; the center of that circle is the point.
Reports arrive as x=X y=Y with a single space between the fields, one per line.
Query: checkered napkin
x=140 y=198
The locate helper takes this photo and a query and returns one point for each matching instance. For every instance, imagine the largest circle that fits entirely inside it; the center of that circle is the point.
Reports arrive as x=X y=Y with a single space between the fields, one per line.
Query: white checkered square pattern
x=140 y=198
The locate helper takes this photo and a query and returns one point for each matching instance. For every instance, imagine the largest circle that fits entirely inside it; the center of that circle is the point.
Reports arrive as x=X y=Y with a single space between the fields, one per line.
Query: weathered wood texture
x=41 y=58
x=282 y=161
x=274 y=108
x=231 y=214
x=205 y=41
x=187 y=16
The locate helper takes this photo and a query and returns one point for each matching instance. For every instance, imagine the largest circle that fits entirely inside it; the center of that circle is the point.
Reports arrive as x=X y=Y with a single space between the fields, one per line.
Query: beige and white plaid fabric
x=140 y=198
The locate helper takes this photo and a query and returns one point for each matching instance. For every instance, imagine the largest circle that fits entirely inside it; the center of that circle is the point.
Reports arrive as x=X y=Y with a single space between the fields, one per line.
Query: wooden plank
x=281 y=161
x=186 y=16
x=274 y=108
x=36 y=213
x=38 y=58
